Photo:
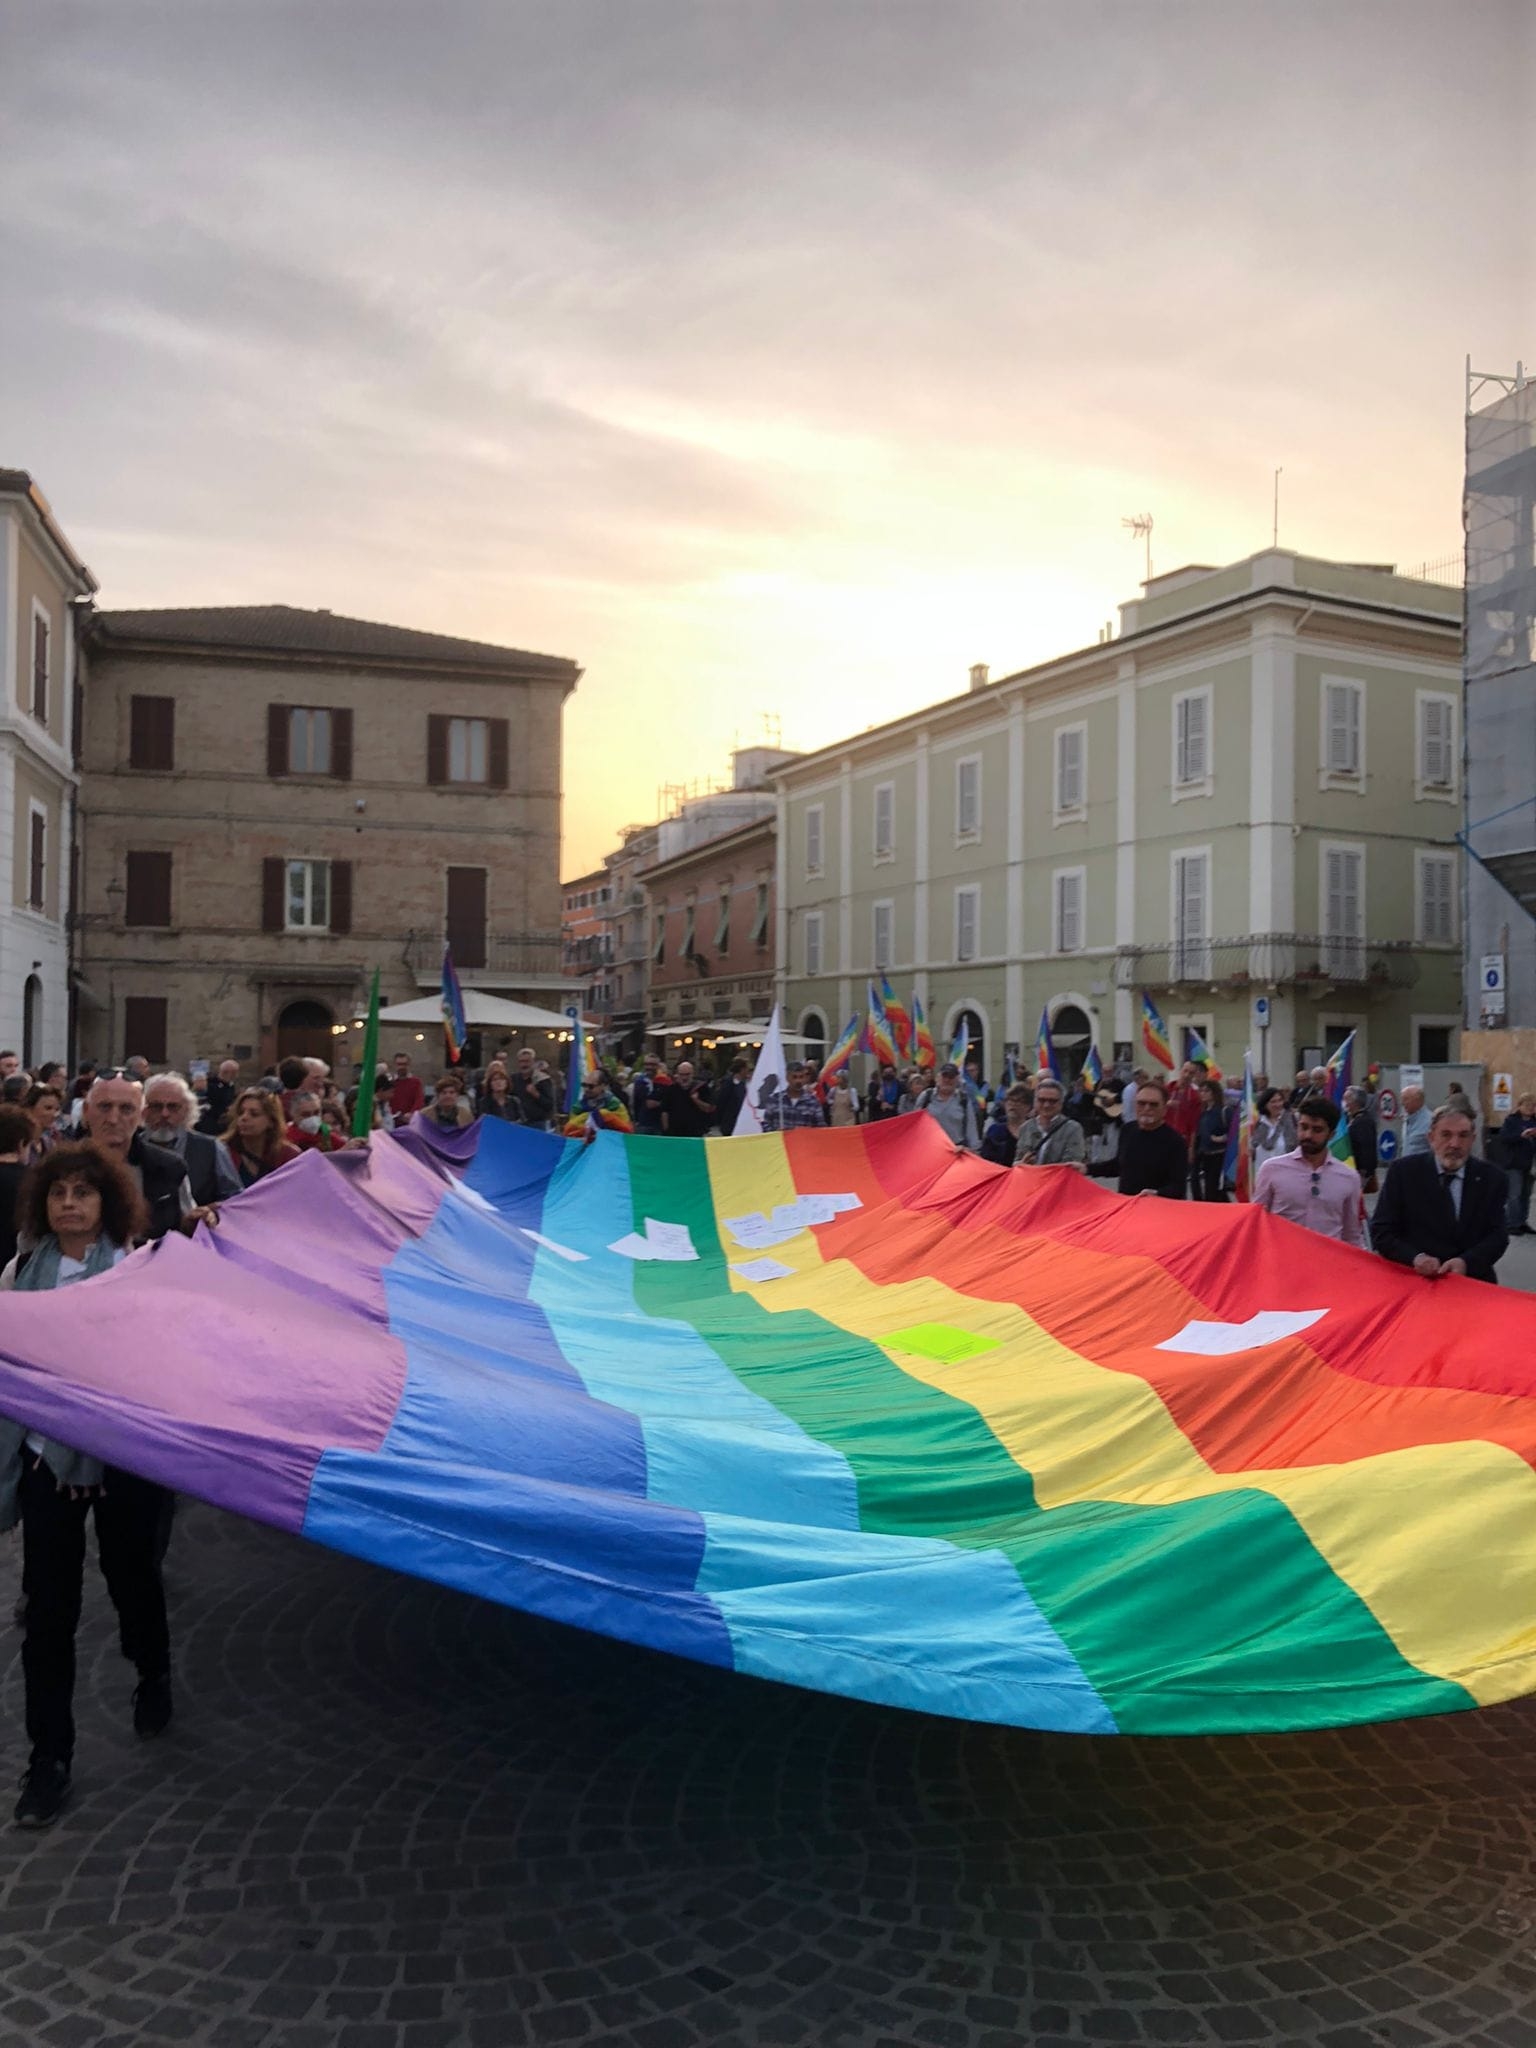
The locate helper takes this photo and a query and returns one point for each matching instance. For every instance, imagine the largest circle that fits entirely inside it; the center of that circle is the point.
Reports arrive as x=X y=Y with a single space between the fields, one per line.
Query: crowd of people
x=96 y=1164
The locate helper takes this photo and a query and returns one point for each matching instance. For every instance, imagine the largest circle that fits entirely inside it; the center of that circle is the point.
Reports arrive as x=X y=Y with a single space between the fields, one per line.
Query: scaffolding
x=1499 y=693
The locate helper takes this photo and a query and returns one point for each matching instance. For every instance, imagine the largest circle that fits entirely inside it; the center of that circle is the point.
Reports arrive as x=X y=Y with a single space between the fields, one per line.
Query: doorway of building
x=304 y=1032
x=969 y=1026
x=1071 y=1037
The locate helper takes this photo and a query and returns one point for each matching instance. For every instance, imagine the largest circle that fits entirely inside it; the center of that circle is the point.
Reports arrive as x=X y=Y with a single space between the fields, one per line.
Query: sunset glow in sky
x=762 y=355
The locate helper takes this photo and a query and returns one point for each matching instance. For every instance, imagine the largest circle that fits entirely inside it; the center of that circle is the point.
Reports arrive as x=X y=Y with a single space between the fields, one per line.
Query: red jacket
x=406 y=1097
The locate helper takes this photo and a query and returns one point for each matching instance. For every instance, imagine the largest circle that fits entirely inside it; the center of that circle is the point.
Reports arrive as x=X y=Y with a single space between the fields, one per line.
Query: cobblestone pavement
x=389 y=1817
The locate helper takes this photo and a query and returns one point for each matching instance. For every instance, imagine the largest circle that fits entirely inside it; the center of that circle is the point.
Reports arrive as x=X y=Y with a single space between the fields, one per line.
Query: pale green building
x=1244 y=804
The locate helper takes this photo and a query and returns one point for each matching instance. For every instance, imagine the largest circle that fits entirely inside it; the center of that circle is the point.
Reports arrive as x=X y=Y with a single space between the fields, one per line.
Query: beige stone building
x=276 y=801
x=42 y=582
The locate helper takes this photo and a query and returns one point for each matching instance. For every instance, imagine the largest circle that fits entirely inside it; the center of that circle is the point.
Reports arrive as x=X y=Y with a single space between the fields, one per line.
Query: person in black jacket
x=730 y=1095
x=1154 y=1158
x=169 y=1109
x=1442 y=1211
x=1362 y=1136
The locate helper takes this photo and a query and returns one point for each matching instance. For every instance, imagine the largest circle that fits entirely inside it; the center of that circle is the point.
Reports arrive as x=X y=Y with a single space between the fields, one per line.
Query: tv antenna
x=1141 y=527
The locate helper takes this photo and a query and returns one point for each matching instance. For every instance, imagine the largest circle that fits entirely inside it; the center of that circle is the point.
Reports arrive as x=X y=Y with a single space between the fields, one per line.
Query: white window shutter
x=1437 y=767
x=1343 y=716
x=967 y=799
x=1192 y=755
x=882 y=957
x=885 y=820
x=1069 y=769
x=813 y=942
x=813 y=840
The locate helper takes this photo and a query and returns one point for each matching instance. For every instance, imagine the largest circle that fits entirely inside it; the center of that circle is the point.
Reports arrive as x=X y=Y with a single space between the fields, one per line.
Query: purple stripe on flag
x=284 y=1389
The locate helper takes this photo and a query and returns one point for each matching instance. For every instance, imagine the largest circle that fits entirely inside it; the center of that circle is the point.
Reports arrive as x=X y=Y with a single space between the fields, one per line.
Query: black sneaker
x=44 y=1794
x=152 y=1705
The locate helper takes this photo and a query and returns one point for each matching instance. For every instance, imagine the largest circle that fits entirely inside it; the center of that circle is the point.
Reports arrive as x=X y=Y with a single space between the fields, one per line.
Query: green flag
x=362 y=1115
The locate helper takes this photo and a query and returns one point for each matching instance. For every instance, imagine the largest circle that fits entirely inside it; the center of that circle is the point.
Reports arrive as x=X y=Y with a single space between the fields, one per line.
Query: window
x=659 y=938
x=1436 y=898
x=302 y=895
x=723 y=923
x=144 y=1032
x=885 y=821
x=815 y=819
x=1343 y=908
x=813 y=942
x=1436 y=744
x=1343 y=732
x=1192 y=742
x=1192 y=916
x=1068 y=887
x=309 y=739
x=968 y=797
x=967 y=921
x=1071 y=772
x=309 y=742
x=883 y=920
x=152 y=733
x=37 y=858
x=147 y=897
x=465 y=890
x=688 y=922
x=467 y=753
x=760 y=916
x=42 y=649
x=307 y=901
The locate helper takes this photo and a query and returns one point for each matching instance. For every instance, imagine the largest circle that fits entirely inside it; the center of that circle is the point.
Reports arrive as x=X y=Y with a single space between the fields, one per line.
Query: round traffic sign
x=1386 y=1105
x=1386 y=1146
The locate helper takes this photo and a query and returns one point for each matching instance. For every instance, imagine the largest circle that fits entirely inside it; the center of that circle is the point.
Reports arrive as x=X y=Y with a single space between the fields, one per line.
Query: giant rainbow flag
x=843 y=1409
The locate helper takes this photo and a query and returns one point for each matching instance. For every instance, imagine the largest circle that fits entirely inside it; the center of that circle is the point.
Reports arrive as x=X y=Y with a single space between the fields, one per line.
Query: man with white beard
x=170 y=1107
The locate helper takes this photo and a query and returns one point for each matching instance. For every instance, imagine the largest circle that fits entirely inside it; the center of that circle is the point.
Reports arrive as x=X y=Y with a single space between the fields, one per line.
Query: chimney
x=978 y=676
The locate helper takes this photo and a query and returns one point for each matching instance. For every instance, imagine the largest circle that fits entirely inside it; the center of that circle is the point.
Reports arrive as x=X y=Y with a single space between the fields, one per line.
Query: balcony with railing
x=522 y=959
x=1273 y=960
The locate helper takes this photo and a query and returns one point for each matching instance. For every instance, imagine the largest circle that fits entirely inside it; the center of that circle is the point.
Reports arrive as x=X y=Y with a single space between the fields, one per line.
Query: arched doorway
x=32 y=1024
x=971 y=1026
x=813 y=1029
x=304 y=1032
x=1071 y=1036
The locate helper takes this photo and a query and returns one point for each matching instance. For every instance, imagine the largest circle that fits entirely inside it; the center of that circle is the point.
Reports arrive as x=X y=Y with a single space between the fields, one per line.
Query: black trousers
x=128 y=1513
x=1205 y=1176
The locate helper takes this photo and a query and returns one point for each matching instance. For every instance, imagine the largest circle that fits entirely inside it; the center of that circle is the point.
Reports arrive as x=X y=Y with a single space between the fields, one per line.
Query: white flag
x=767 y=1080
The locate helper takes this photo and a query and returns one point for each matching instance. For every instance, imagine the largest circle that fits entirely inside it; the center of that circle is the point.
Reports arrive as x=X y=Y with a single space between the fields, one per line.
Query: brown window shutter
x=152 y=733
x=148 y=892
x=341 y=745
x=466 y=916
x=273 y=882
x=497 y=753
x=437 y=748
x=144 y=1028
x=341 y=895
x=277 y=739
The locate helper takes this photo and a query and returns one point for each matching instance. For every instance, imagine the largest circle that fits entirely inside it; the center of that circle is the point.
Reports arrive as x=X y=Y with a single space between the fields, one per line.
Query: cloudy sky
x=766 y=356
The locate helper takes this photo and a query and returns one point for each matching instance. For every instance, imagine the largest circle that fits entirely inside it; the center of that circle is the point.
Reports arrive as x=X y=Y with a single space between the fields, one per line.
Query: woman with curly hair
x=44 y=1105
x=255 y=1139
x=79 y=1211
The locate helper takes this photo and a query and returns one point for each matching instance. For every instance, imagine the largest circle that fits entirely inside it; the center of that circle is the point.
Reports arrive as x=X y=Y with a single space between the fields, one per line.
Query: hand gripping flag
x=455 y=1027
x=1045 y=1051
x=1154 y=1032
x=924 y=1052
x=897 y=1022
x=987 y=1444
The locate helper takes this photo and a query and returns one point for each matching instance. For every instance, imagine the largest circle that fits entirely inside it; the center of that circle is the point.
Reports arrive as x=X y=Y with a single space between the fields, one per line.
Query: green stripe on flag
x=1206 y=1615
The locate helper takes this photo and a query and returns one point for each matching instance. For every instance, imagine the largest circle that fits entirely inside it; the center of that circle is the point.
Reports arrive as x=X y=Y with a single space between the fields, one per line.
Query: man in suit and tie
x=1442 y=1211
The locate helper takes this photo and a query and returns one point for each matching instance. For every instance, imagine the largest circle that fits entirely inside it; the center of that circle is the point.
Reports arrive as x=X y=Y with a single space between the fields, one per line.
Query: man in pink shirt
x=1309 y=1186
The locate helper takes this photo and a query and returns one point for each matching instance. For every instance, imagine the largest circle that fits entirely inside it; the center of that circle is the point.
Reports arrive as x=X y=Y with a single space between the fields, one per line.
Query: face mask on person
x=309 y=1123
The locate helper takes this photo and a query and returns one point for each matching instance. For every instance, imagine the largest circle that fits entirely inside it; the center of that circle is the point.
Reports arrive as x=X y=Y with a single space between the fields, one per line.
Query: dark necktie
x=1447 y=1182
